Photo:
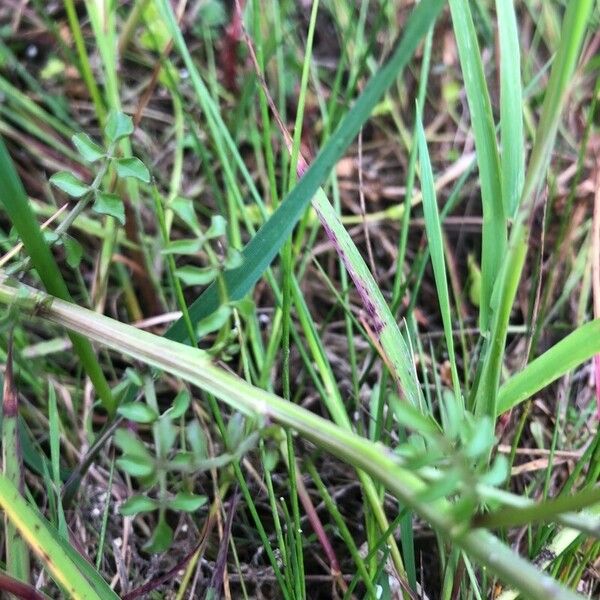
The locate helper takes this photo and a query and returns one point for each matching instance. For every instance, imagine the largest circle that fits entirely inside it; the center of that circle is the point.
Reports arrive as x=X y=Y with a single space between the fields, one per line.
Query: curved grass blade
x=436 y=250
x=383 y=327
x=267 y=243
x=196 y=367
x=572 y=351
x=493 y=245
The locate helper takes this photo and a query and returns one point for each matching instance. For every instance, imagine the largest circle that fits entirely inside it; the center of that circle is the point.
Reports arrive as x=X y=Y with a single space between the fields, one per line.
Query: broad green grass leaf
x=384 y=327
x=494 y=235
x=54 y=434
x=575 y=23
x=267 y=243
x=572 y=351
x=474 y=280
x=17 y=559
x=573 y=31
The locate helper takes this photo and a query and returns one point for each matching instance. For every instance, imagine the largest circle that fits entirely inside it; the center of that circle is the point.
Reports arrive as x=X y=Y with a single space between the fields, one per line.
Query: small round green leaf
x=183 y=247
x=69 y=184
x=73 y=250
x=118 y=125
x=218 y=227
x=180 y=405
x=136 y=466
x=133 y=376
x=110 y=204
x=87 y=148
x=214 y=321
x=166 y=435
x=184 y=461
x=478 y=437
x=138 y=412
x=161 y=538
x=138 y=504
x=131 y=445
x=186 y=502
x=235 y=430
x=51 y=237
x=197 y=440
x=271 y=459
x=184 y=209
x=133 y=167
x=246 y=307
x=191 y=275
x=234 y=259
x=498 y=472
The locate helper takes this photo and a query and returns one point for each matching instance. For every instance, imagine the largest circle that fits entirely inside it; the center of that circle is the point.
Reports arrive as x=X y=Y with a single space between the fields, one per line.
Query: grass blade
x=54 y=431
x=43 y=542
x=84 y=61
x=574 y=27
x=266 y=244
x=494 y=223
x=383 y=327
x=575 y=23
x=17 y=553
x=436 y=249
x=511 y=107
x=572 y=351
